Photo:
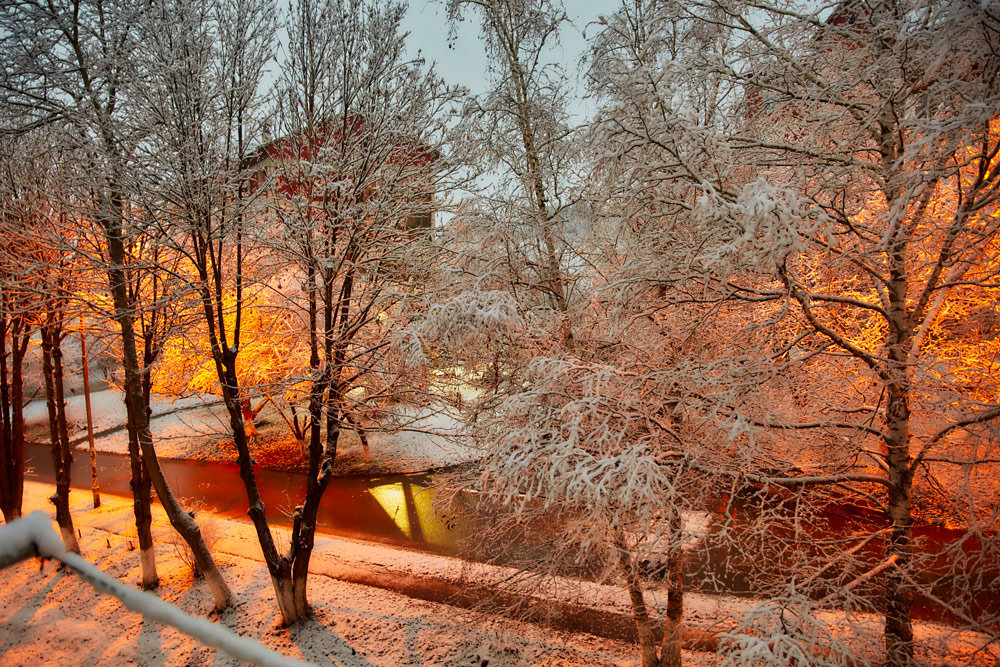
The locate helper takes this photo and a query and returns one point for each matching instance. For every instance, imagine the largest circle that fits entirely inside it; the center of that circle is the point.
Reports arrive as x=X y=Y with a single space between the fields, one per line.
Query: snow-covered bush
x=785 y=633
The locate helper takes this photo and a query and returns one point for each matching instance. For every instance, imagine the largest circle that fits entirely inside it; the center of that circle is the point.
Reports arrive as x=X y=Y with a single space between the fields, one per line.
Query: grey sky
x=465 y=63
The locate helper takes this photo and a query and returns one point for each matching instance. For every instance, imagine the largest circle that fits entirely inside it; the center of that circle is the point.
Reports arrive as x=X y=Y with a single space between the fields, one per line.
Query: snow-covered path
x=193 y=417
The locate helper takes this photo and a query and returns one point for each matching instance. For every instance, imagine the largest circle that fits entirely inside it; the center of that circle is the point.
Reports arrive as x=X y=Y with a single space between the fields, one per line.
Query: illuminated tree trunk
x=95 y=487
x=207 y=254
x=62 y=458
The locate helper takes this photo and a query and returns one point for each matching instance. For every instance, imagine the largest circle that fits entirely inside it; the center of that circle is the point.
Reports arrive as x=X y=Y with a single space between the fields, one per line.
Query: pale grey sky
x=465 y=63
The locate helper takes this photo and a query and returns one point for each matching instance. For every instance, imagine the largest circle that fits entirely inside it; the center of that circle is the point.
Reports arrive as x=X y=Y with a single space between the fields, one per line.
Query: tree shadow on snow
x=151 y=644
x=18 y=621
x=321 y=645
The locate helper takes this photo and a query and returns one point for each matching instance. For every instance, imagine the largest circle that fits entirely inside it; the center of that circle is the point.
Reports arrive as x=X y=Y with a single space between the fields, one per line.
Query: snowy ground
x=197 y=427
x=44 y=613
x=48 y=617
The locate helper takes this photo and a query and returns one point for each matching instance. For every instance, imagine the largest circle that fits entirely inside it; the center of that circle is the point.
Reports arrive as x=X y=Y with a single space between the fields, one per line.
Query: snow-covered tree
x=20 y=203
x=835 y=170
x=73 y=63
x=581 y=410
x=321 y=227
x=200 y=108
x=352 y=183
x=522 y=228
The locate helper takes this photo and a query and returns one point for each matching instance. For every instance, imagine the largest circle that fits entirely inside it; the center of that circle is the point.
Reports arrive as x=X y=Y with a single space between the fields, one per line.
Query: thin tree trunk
x=553 y=275
x=640 y=612
x=670 y=649
x=61 y=456
x=141 y=486
x=95 y=487
x=16 y=464
x=12 y=398
x=6 y=439
x=362 y=436
x=62 y=421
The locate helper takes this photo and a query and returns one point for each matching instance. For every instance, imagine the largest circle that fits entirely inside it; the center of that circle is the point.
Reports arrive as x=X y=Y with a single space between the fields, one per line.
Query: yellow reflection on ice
x=409 y=506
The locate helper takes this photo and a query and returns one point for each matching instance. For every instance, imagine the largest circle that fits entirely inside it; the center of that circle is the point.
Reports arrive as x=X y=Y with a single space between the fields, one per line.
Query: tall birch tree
x=521 y=219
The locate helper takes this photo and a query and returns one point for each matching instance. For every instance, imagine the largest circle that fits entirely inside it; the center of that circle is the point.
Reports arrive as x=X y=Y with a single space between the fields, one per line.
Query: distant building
x=298 y=165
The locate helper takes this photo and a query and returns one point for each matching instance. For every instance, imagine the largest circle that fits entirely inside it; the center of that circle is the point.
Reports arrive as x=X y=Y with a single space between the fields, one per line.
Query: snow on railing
x=33 y=536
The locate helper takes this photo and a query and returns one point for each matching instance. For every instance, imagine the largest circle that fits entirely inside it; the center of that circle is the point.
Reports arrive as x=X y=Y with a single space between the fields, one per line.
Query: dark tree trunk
x=20 y=349
x=142 y=491
x=62 y=458
x=670 y=649
x=12 y=450
x=94 y=486
x=7 y=461
x=898 y=592
x=137 y=416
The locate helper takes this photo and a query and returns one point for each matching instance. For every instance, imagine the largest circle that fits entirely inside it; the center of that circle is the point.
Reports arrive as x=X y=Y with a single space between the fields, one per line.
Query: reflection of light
x=392 y=500
x=409 y=507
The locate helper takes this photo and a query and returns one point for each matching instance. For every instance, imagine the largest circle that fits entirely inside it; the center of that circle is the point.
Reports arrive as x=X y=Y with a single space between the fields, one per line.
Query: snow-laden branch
x=33 y=536
x=463 y=322
x=785 y=631
x=979 y=418
x=765 y=225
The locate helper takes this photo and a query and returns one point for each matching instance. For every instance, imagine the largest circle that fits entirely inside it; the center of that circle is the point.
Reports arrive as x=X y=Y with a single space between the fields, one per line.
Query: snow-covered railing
x=33 y=536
